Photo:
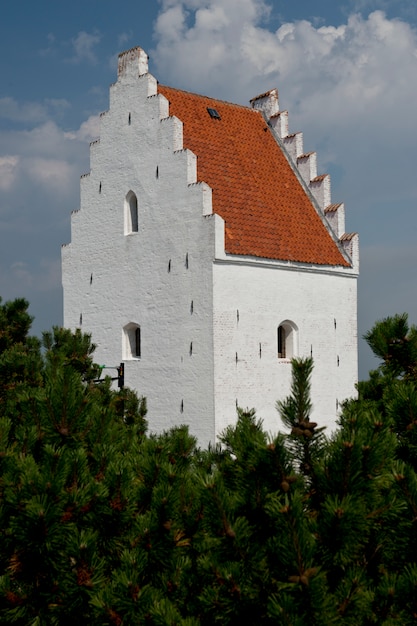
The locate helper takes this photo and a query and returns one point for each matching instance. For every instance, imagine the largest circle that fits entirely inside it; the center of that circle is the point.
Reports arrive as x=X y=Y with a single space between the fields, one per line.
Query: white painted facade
x=208 y=320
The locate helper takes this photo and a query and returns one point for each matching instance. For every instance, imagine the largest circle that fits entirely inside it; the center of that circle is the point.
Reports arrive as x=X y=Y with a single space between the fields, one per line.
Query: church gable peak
x=134 y=61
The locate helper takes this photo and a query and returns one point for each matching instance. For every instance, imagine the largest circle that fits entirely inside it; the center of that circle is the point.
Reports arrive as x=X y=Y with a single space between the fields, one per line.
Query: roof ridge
x=199 y=95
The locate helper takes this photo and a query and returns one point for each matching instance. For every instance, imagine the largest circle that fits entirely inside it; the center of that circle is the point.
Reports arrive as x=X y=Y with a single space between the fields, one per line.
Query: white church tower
x=206 y=253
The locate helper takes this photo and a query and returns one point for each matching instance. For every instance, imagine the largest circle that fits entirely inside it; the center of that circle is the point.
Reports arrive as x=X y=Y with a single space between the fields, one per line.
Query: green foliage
x=393 y=341
x=15 y=323
x=392 y=388
x=104 y=524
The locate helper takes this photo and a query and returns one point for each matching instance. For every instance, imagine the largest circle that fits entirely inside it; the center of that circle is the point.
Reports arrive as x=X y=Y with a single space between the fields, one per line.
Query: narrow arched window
x=137 y=343
x=281 y=342
x=132 y=341
x=287 y=340
x=131 y=214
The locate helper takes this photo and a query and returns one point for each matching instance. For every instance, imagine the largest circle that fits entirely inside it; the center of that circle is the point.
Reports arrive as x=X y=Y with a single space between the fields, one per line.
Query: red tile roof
x=267 y=212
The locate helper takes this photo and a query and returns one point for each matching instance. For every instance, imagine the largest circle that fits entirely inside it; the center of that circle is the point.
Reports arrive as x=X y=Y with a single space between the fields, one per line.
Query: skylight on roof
x=214 y=113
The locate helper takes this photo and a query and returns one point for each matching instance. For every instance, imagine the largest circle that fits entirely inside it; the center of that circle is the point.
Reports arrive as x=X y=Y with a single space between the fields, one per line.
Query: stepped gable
x=266 y=210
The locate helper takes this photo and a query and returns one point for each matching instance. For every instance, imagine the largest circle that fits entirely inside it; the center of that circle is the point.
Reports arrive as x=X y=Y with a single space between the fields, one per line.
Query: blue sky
x=346 y=72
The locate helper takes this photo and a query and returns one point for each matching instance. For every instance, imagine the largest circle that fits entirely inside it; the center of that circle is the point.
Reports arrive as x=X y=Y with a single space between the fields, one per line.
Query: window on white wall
x=287 y=340
x=132 y=345
x=281 y=342
x=131 y=213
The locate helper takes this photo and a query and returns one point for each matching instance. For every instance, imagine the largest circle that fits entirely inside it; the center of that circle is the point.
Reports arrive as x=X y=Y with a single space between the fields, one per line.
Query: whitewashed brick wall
x=250 y=302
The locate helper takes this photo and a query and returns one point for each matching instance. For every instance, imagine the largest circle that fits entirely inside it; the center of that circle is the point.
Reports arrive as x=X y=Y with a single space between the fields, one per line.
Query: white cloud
x=53 y=174
x=123 y=38
x=14 y=111
x=20 y=277
x=169 y=27
x=45 y=140
x=40 y=168
x=57 y=104
x=350 y=88
x=354 y=63
x=88 y=130
x=8 y=171
x=45 y=159
x=51 y=39
x=84 y=44
x=31 y=112
x=406 y=9
x=204 y=38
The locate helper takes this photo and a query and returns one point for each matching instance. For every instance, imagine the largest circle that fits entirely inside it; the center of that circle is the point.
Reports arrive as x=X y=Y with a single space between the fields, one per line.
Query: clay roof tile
x=267 y=211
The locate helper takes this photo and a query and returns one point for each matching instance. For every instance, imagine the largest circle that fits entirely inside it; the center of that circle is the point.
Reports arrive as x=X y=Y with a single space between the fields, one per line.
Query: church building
x=207 y=253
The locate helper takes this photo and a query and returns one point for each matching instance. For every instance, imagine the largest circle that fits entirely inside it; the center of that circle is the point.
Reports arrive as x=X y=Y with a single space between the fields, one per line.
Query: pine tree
x=20 y=362
x=393 y=386
x=305 y=439
x=105 y=524
x=395 y=343
x=64 y=475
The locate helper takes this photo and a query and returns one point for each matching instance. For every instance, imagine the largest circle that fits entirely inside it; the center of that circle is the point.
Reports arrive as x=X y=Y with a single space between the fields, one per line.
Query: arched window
x=287 y=340
x=132 y=345
x=131 y=213
x=281 y=342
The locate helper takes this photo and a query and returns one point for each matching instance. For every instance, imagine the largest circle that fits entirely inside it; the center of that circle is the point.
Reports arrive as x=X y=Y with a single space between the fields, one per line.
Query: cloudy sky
x=346 y=71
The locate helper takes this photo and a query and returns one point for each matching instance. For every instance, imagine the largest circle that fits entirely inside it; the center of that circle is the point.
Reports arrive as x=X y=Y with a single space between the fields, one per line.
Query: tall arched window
x=132 y=341
x=287 y=340
x=131 y=213
x=281 y=342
